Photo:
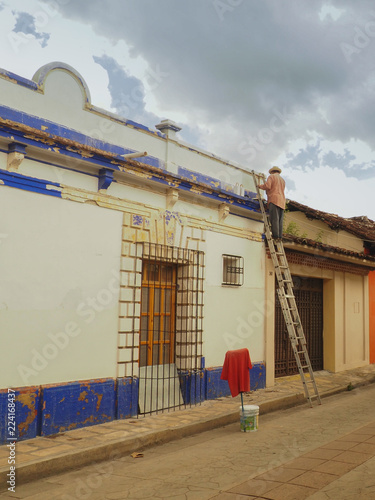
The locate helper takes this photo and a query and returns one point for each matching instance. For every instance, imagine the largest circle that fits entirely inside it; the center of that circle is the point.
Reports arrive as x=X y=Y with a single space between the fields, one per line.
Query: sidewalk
x=341 y=469
x=46 y=456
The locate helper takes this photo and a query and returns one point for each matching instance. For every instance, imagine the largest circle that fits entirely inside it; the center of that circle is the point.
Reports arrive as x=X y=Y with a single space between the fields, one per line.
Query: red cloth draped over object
x=236 y=370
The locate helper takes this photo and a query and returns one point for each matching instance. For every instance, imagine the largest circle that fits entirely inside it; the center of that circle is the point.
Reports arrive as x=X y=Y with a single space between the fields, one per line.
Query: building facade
x=332 y=261
x=124 y=279
x=131 y=262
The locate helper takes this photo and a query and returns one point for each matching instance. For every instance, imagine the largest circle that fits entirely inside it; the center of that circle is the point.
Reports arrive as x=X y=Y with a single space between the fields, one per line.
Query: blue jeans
x=276 y=215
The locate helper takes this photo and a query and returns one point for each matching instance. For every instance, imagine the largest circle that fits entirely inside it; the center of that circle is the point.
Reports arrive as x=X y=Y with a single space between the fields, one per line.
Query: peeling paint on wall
x=13 y=179
x=26 y=412
x=74 y=405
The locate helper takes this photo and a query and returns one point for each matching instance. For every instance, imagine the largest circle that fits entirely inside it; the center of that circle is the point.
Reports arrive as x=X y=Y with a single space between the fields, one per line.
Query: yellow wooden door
x=158 y=313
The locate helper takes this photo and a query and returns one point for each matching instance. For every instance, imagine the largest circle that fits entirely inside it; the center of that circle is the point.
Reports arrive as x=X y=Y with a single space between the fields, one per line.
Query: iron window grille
x=233 y=270
x=169 y=364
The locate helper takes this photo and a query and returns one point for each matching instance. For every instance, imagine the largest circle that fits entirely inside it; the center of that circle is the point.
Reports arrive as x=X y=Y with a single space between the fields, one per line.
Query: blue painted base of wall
x=192 y=387
x=127 y=397
x=217 y=388
x=47 y=410
x=20 y=412
x=75 y=405
x=258 y=376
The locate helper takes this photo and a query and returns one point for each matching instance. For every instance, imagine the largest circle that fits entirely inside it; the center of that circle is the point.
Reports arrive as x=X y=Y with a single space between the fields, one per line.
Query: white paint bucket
x=249 y=418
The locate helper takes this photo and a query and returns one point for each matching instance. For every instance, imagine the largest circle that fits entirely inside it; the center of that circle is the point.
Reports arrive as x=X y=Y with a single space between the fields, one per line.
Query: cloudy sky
x=267 y=82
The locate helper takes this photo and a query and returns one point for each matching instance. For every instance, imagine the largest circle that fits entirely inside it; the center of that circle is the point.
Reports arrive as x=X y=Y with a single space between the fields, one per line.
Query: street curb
x=95 y=454
x=345 y=388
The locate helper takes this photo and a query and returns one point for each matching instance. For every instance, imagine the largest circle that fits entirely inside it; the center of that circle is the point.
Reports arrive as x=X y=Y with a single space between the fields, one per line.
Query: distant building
x=125 y=279
x=332 y=260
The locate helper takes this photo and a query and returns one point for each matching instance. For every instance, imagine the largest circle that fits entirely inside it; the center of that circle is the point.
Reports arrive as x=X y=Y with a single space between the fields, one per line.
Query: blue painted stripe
x=24 y=82
x=185 y=179
x=215 y=194
x=51 y=128
x=15 y=147
x=43 y=162
x=12 y=179
x=95 y=159
x=190 y=175
x=139 y=126
x=164 y=178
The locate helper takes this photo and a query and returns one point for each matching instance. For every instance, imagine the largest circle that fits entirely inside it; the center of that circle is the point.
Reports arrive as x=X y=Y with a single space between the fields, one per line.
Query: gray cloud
x=128 y=97
x=127 y=92
x=308 y=157
x=312 y=157
x=25 y=23
x=347 y=163
x=238 y=66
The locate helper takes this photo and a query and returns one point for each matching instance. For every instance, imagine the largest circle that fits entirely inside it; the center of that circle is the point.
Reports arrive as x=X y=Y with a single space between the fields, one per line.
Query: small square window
x=233 y=270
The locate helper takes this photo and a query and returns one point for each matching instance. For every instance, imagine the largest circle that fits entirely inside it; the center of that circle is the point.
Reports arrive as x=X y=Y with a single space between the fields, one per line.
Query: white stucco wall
x=62 y=101
x=59 y=267
x=233 y=316
x=60 y=259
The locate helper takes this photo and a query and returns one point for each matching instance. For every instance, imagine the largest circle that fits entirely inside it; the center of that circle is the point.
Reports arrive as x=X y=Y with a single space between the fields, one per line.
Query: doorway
x=159 y=384
x=158 y=312
x=309 y=299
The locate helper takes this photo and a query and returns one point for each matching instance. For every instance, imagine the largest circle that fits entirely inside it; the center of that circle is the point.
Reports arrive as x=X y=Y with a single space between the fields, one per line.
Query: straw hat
x=274 y=169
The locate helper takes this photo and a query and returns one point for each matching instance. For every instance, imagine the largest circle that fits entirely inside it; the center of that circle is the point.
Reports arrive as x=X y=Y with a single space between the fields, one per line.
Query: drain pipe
x=134 y=155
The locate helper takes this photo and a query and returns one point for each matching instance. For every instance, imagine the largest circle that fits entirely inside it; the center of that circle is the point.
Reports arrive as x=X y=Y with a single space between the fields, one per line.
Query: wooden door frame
x=150 y=312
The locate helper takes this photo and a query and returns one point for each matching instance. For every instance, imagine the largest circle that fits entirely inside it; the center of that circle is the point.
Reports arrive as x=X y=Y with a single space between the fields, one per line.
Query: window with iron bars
x=233 y=270
x=171 y=328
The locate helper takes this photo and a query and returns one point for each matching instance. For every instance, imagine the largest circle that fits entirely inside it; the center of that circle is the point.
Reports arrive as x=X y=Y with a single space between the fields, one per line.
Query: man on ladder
x=275 y=189
x=273 y=223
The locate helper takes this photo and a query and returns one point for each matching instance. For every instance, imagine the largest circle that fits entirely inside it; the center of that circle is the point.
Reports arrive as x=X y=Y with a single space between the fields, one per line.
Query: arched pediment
x=41 y=76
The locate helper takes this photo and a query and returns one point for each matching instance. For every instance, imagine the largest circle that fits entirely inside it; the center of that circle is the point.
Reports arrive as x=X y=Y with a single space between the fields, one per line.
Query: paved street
x=223 y=463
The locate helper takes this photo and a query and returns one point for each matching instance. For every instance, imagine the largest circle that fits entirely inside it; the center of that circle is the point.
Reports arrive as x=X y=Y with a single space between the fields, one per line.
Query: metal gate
x=170 y=357
x=309 y=299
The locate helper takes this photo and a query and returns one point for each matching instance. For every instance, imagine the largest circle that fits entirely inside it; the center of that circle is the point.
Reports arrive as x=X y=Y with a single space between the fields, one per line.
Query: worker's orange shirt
x=275 y=187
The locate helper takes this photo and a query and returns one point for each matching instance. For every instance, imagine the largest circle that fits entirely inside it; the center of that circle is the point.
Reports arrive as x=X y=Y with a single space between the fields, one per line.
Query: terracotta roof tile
x=361 y=226
x=327 y=248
